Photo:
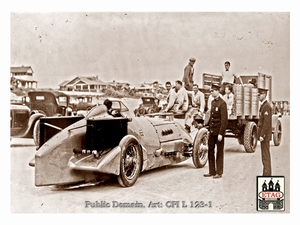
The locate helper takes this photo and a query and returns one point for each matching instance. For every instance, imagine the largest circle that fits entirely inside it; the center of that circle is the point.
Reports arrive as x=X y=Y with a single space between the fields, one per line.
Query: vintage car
x=40 y=103
x=78 y=150
x=22 y=122
x=49 y=103
x=149 y=105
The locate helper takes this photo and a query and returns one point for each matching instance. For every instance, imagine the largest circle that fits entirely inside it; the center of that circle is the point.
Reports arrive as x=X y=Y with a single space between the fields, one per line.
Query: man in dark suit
x=217 y=128
x=265 y=131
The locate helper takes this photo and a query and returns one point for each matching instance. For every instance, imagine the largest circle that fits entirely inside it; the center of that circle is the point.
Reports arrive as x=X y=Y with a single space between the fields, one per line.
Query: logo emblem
x=270 y=193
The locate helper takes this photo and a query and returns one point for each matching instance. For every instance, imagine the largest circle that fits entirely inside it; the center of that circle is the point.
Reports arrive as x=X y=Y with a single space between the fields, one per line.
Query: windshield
x=62 y=101
x=98 y=109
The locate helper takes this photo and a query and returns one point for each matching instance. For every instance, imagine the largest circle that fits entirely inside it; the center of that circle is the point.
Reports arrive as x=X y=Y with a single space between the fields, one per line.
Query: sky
x=139 y=47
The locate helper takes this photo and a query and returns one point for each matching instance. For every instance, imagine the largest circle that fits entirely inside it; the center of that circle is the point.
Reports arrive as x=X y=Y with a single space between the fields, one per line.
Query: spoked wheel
x=131 y=161
x=200 y=148
x=250 y=137
x=277 y=133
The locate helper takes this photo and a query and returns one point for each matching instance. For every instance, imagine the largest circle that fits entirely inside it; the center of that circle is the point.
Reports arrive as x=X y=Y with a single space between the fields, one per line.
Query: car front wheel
x=200 y=148
x=130 y=161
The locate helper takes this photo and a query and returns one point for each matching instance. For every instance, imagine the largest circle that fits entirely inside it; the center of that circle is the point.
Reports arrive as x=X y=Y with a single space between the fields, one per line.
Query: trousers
x=189 y=116
x=215 y=164
x=266 y=158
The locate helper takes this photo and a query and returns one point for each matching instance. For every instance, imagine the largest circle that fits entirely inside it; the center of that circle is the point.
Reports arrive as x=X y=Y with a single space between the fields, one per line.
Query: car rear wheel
x=200 y=149
x=250 y=137
x=277 y=133
x=130 y=162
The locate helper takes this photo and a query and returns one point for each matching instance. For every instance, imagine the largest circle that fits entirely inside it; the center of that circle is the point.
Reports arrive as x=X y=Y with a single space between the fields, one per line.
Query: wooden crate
x=245 y=101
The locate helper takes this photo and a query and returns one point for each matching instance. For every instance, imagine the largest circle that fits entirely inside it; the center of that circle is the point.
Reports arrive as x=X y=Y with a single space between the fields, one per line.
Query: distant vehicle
x=22 y=122
x=79 y=150
x=149 y=105
x=49 y=103
x=83 y=101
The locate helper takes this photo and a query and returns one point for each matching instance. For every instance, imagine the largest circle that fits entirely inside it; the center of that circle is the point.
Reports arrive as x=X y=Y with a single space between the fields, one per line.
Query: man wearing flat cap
x=217 y=128
x=265 y=131
x=188 y=79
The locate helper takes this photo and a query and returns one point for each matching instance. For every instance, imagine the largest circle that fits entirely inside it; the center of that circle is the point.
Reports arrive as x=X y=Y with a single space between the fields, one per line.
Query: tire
x=36 y=133
x=277 y=133
x=130 y=161
x=250 y=137
x=150 y=111
x=240 y=139
x=142 y=111
x=200 y=148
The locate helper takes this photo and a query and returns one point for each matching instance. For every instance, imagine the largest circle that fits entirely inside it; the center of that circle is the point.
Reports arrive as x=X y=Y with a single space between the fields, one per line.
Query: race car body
x=86 y=147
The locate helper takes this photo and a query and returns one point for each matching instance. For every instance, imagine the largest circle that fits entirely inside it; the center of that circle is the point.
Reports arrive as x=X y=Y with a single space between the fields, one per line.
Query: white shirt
x=198 y=100
x=228 y=76
x=180 y=97
x=229 y=102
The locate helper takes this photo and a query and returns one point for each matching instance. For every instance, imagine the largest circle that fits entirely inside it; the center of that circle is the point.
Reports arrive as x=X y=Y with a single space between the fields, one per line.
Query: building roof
x=86 y=80
x=64 y=83
x=118 y=84
x=25 y=78
x=21 y=69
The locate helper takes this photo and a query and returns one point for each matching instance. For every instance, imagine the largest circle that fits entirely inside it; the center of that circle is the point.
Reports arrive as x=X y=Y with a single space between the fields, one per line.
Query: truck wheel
x=36 y=133
x=130 y=162
x=250 y=137
x=277 y=133
x=240 y=139
x=200 y=149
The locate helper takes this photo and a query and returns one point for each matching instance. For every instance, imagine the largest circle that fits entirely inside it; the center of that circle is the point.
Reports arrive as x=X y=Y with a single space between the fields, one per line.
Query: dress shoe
x=217 y=176
x=208 y=175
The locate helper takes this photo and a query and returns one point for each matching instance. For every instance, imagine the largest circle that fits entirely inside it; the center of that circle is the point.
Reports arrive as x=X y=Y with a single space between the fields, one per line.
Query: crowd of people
x=187 y=98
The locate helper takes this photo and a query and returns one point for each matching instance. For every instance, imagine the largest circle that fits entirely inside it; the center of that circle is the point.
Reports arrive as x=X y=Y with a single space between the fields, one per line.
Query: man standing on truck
x=217 y=128
x=228 y=77
x=188 y=79
x=265 y=131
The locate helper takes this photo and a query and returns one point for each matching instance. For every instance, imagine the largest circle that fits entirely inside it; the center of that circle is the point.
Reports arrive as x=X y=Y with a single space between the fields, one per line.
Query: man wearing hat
x=188 y=75
x=265 y=130
x=217 y=128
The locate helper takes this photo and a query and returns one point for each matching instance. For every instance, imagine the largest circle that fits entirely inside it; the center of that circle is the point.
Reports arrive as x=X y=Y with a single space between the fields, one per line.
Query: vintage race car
x=78 y=150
